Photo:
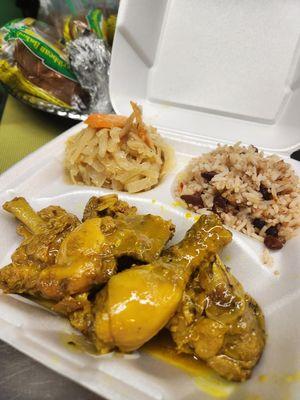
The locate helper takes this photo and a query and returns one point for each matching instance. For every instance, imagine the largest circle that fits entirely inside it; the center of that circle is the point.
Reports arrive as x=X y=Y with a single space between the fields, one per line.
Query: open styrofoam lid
x=213 y=70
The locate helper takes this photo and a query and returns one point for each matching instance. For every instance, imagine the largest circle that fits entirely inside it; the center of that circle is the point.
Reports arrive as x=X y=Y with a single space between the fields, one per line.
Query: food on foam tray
x=118 y=152
x=112 y=278
x=255 y=194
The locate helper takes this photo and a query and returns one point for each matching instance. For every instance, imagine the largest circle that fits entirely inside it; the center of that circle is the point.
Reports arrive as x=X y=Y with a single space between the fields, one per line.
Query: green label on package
x=95 y=21
x=44 y=50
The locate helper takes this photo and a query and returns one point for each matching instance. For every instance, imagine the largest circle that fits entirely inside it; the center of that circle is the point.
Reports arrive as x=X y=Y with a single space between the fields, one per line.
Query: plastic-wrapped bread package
x=61 y=68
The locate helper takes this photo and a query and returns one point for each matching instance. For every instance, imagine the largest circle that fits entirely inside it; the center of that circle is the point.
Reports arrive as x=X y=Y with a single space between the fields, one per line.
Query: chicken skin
x=88 y=255
x=107 y=206
x=112 y=277
x=60 y=256
x=43 y=234
x=219 y=323
x=137 y=303
x=188 y=290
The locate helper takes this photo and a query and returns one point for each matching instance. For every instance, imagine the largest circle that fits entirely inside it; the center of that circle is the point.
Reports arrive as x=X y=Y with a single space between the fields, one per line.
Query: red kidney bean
x=208 y=175
x=193 y=199
x=265 y=193
x=273 y=243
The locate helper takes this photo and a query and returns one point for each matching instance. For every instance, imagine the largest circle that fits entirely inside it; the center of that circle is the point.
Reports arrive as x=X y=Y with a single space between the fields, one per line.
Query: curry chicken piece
x=138 y=302
x=88 y=255
x=189 y=290
x=219 y=323
x=43 y=234
x=185 y=288
x=60 y=256
x=107 y=206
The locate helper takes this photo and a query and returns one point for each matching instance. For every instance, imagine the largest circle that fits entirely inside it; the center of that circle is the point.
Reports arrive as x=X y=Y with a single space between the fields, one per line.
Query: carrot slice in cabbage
x=99 y=121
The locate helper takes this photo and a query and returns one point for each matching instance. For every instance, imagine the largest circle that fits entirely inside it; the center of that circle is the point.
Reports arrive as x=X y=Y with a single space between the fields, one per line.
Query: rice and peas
x=252 y=193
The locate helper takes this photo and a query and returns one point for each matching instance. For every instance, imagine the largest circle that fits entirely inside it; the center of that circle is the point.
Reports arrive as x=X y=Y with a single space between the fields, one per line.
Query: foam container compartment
x=205 y=72
x=221 y=71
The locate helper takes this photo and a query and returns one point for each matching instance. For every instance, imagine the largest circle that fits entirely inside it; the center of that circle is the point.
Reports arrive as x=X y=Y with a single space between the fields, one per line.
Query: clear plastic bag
x=60 y=68
x=55 y=11
x=74 y=7
x=33 y=62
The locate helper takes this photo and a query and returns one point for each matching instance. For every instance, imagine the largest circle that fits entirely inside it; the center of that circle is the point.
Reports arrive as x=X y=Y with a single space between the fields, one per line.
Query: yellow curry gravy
x=162 y=348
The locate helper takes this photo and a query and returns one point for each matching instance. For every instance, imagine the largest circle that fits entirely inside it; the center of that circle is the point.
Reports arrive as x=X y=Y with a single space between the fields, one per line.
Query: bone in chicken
x=137 y=303
x=206 y=309
x=185 y=288
x=61 y=256
x=219 y=323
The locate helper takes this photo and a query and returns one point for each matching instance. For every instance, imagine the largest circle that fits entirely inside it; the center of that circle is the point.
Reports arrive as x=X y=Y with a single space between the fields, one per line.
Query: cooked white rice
x=240 y=175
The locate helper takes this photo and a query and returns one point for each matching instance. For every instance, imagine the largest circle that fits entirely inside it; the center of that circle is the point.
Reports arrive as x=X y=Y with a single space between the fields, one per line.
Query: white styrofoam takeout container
x=205 y=72
x=212 y=71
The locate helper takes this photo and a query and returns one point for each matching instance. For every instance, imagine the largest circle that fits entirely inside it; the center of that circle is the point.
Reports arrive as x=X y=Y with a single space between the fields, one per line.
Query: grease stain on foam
x=48 y=304
x=44 y=302
x=178 y=204
x=293 y=378
x=263 y=378
x=153 y=201
x=77 y=343
x=55 y=359
x=188 y=215
x=162 y=348
x=253 y=397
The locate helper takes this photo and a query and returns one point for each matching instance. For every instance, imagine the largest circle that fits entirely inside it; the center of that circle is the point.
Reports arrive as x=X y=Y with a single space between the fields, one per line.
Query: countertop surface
x=22 y=378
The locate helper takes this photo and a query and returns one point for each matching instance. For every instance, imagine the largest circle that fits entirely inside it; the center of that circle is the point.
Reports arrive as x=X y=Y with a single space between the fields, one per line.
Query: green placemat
x=24 y=129
x=8 y=11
